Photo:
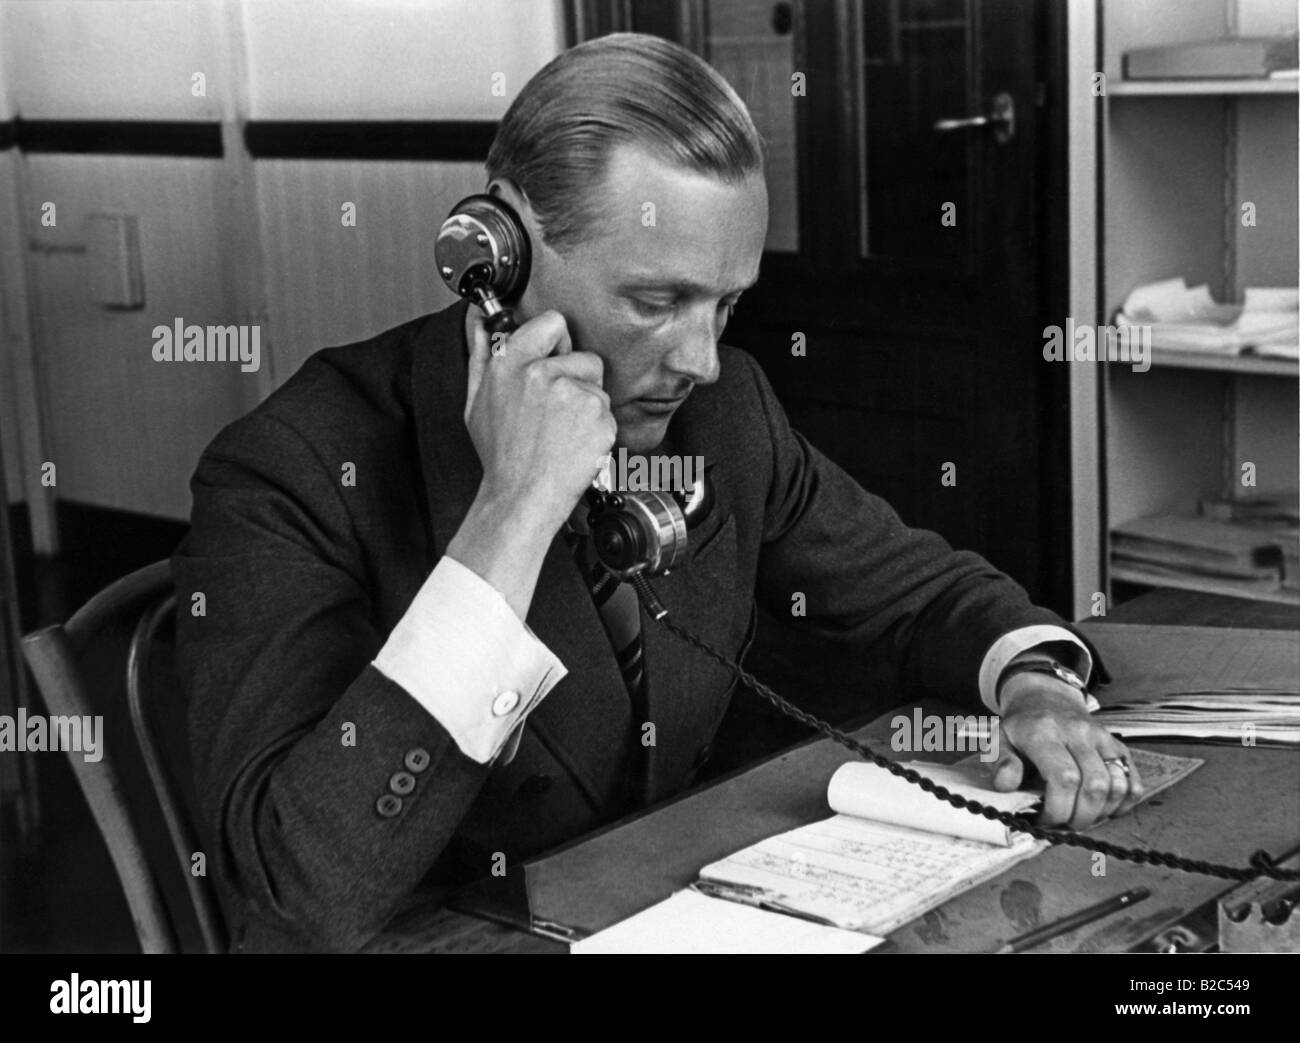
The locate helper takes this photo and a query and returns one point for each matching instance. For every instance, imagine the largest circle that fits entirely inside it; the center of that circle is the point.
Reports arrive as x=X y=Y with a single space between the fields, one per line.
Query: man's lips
x=658 y=406
x=664 y=399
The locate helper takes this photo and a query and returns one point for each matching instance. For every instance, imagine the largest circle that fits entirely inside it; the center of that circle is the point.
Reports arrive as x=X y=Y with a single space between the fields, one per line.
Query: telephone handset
x=483 y=253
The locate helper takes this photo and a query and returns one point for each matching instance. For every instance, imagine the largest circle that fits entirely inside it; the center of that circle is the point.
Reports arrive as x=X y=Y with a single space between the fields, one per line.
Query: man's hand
x=538 y=416
x=1044 y=719
x=541 y=425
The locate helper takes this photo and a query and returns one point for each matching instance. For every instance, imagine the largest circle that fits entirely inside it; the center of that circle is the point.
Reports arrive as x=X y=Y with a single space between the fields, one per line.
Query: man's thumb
x=1009 y=773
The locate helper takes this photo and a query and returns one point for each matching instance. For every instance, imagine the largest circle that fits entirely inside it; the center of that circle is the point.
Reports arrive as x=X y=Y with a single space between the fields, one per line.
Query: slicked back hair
x=626 y=88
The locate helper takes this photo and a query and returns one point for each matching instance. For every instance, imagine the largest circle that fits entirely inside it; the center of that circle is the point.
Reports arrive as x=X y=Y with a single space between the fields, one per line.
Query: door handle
x=1002 y=119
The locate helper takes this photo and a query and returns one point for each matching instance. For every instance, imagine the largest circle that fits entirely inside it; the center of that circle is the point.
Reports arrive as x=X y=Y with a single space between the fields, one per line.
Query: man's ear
x=504 y=188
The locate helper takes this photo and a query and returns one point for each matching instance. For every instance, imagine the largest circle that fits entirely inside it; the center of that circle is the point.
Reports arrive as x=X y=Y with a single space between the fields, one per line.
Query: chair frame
x=54 y=655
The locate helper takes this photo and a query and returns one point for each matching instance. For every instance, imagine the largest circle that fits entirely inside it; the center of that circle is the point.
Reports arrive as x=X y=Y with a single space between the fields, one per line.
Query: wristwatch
x=1044 y=666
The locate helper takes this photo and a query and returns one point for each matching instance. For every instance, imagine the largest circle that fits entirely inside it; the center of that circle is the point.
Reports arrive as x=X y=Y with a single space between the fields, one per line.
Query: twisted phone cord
x=1261 y=863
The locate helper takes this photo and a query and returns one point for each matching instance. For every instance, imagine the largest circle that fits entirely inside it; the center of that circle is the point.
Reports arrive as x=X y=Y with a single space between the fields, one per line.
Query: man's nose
x=695 y=357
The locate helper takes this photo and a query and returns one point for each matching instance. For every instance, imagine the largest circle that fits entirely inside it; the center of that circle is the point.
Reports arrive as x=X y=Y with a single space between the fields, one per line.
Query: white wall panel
x=126 y=431
x=328 y=284
x=7 y=105
x=394 y=59
x=113 y=59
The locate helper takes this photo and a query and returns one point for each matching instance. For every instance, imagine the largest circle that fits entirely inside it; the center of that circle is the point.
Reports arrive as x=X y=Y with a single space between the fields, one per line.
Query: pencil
x=1069 y=923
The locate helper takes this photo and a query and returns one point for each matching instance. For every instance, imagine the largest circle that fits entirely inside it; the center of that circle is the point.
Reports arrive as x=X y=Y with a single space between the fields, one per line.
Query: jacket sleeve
x=303 y=751
x=900 y=594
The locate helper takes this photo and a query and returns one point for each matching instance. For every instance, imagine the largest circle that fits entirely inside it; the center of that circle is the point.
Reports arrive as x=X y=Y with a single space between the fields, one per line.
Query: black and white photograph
x=649 y=477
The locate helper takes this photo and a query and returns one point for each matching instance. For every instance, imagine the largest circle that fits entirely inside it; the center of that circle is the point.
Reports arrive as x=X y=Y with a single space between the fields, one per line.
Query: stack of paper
x=1197 y=554
x=1184 y=318
x=1276 y=518
x=1240 y=716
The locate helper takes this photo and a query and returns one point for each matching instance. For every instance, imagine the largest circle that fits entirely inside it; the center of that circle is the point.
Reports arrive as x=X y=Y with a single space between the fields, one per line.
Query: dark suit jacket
x=303 y=579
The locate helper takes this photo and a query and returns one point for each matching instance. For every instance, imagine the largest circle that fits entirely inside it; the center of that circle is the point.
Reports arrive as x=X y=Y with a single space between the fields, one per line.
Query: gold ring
x=1123 y=764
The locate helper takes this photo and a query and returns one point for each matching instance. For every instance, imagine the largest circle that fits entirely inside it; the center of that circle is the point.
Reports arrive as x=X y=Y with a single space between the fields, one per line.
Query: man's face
x=653 y=285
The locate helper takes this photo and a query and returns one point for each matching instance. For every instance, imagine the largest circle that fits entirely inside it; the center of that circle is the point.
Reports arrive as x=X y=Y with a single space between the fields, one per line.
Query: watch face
x=1069 y=676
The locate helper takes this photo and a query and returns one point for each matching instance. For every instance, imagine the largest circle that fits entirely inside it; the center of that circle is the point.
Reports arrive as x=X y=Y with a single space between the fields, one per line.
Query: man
x=401 y=678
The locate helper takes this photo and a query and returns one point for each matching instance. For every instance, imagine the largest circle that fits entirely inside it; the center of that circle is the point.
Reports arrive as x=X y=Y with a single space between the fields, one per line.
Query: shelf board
x=1253 y=365
x=1177 y=88
x=1205 y=586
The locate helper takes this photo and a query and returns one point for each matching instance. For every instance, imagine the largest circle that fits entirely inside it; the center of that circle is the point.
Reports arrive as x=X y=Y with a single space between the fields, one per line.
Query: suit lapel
x=585 y=719
x=686 y=686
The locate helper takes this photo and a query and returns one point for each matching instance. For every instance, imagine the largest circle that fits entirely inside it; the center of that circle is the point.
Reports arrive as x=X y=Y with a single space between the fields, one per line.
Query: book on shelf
x=1231 y=57
x=1274 y=516
x=1198 y=554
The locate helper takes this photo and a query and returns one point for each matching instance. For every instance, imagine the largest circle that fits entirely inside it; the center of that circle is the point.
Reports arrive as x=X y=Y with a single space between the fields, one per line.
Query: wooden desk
x=1188 y=819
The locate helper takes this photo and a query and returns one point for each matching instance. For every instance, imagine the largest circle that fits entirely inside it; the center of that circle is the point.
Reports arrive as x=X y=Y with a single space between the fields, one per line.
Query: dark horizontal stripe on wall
x=445 y=140
x=111 y=534
x=8 y=135
x=120 y=137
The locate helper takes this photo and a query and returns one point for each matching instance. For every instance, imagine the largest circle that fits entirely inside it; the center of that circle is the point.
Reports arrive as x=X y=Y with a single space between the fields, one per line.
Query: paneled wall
x=329 y=284
x=123 y=430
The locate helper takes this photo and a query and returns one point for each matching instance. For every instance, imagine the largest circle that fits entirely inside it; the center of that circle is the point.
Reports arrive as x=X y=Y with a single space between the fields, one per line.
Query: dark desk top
x=1045 y=883
x=1189 y=608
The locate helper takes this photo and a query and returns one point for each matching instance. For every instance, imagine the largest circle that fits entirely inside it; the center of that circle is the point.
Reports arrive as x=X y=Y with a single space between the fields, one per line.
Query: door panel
x=923 y=338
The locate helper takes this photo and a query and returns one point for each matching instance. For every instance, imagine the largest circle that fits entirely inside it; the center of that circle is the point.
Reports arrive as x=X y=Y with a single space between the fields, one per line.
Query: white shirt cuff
x=1016 y=642
x=462 y=653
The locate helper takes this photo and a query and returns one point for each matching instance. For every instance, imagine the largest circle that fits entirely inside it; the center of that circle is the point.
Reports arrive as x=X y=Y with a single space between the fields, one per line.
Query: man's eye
x=652 y=309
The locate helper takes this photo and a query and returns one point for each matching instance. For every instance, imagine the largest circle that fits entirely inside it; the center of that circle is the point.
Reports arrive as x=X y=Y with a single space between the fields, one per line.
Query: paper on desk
x=692 y=923
x=868 y=792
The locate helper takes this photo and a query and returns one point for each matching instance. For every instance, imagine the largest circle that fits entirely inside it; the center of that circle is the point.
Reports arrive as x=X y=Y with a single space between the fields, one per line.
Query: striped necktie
x=620 y=614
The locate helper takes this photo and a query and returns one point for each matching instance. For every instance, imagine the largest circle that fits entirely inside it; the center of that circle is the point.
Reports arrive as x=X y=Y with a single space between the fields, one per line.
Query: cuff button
x=388 y=806
x=504 y=703
x=416 y=759
x=402 y=783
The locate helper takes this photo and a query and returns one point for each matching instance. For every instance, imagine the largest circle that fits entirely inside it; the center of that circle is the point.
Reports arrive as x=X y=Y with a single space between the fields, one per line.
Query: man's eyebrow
x=683 y=287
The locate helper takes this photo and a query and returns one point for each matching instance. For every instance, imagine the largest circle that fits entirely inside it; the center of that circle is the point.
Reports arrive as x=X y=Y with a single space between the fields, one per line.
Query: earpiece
x=483 y=253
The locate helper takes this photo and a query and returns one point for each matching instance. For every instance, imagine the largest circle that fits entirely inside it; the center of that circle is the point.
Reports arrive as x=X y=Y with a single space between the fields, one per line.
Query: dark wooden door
x=920 y=266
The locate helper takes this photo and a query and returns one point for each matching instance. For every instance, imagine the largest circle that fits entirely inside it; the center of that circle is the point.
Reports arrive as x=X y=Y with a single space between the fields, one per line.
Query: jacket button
x=402 y=783
x=504 y=703
x=388 y=806
x=706 y=751
x=535 y=785
x=416 y=759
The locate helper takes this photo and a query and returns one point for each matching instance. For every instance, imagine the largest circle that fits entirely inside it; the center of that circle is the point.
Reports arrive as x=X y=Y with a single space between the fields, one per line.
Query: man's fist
x=1045 y=720
x=538 y=416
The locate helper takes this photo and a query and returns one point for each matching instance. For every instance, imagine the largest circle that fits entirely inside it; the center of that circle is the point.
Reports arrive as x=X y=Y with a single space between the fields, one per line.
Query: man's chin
x=639 y=433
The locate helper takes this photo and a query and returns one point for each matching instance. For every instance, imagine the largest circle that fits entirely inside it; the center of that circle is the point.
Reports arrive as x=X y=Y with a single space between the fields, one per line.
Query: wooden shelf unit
x=1179 y=160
